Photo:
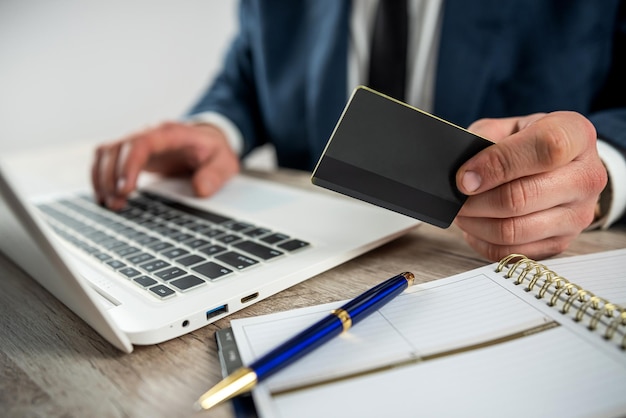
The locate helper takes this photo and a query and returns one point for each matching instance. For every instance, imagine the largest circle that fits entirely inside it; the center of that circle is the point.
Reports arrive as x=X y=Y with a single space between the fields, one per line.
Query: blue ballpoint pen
x=340 y=320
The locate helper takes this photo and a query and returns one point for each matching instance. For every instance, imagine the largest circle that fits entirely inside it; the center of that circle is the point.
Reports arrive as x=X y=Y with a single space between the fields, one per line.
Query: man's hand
x=170 y=149
x=535 y=190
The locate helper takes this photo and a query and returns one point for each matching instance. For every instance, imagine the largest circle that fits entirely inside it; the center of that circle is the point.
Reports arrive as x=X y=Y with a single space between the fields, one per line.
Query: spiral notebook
x=515 y=338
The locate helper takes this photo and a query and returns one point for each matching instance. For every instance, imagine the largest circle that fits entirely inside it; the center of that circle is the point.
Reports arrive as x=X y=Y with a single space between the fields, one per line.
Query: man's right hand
x=172 y=148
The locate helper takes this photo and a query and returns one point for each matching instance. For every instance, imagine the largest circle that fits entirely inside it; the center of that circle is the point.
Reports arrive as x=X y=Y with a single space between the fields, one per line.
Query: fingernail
x=121 y=185
x=471 y=181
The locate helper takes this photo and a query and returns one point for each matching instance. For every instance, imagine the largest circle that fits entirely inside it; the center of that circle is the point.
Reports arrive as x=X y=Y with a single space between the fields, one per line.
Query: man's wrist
x=229 y=129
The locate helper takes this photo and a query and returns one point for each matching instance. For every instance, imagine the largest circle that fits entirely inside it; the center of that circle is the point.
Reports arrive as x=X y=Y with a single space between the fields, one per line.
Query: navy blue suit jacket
x=284 y=77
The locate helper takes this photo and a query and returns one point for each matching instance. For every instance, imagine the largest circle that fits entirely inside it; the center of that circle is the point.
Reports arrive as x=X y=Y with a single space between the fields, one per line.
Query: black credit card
x=390 y=154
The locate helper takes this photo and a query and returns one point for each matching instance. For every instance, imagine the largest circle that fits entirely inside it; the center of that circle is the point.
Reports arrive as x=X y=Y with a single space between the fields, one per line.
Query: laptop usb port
x=249 y=297
x=211 y=313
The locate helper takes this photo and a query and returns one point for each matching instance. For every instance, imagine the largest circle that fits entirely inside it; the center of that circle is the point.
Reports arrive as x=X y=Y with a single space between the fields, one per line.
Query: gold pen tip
x=241 y=381
x=197 y=407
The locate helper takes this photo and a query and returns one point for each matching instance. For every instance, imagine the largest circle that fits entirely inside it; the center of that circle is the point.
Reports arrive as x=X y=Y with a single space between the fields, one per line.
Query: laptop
x=171 y=263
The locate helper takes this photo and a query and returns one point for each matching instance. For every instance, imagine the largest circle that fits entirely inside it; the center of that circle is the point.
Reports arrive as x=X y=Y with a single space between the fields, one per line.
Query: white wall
x=95 y=70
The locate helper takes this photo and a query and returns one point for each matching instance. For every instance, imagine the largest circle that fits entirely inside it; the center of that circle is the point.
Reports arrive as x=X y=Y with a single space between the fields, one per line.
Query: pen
x=340 y=320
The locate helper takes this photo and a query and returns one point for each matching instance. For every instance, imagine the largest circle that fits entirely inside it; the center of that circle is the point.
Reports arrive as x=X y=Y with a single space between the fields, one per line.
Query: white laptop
x=136 y=287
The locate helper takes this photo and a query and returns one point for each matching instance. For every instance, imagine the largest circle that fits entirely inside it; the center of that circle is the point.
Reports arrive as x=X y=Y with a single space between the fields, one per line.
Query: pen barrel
x=297 y=347
x=372 y=300
x=330 y=326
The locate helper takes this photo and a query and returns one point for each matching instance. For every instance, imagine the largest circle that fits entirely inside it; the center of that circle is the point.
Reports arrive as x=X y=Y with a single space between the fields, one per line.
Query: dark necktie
x=387 y=71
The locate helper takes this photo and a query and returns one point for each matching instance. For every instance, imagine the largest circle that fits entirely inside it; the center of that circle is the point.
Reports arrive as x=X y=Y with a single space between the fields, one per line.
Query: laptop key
x=238 y=226
x=111 y=244
x=129 y=272
x=170 y=273
x=229 y=239
x=258 y=250
x=196 y=243
x=174 y=253
x=102 y=256
x=275 y=238
x=139 y=258
x=162 y=291
x=190 y=260
x=212 y=270
x=144 y=281
x=187 y=282
x=154 y=265
x=237 y=260
x=181 y=237
x=125 y=250
x=293 y=245
x=196 y=226
x=145 y=240
x=166 y=230
x=115 y=264
x=212 y=250
x=86 y=247
x=160 y=246
x=213 y=232
x=257 y=232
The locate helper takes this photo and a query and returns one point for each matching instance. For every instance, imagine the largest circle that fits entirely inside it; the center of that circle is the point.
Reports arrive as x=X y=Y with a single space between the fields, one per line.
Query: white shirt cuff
x=615 y=164
x=230 y=130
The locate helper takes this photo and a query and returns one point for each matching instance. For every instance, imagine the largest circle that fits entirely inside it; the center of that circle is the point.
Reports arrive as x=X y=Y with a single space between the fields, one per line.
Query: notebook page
x=524 y=378
x=427 y=320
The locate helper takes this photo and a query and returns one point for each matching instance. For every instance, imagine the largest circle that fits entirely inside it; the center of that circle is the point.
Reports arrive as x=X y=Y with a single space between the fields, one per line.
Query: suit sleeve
x=233 y=92
x=609 y=116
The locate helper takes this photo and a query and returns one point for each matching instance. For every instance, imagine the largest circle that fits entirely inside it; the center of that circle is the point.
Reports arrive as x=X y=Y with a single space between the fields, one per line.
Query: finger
x=107 y=175
x=133 y=157
x=497 y=129
x=143 y=151
x=537 y=250
x=546 y=144
x=95 y=175
x=567 y=185
x=557 y=221
x=170 y=149
x=122 y=185
x=494 y=129
x=214 y=173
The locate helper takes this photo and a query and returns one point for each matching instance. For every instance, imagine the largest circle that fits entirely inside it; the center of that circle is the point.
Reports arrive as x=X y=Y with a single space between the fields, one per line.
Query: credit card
x=393 y=155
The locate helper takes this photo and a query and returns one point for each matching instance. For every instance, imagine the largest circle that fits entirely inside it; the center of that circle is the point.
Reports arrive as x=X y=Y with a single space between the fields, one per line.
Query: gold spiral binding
x=568 y=291
x=505 y=261
x=541 y=272
x=607 y=309
x=590 y=304
x=551 y=277
x=580 y=295
x=593 y=302
x=619 y=320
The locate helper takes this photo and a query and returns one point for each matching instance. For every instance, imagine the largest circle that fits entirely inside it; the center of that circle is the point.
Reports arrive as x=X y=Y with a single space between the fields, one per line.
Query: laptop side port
x=211 y=313
x=248 y=298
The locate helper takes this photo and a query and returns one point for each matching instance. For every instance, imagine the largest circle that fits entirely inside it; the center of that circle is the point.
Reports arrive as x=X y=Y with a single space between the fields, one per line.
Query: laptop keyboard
x=163 y=246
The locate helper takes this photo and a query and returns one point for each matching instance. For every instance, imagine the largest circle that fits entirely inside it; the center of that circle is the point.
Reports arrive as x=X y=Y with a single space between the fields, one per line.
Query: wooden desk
x=53 y=364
